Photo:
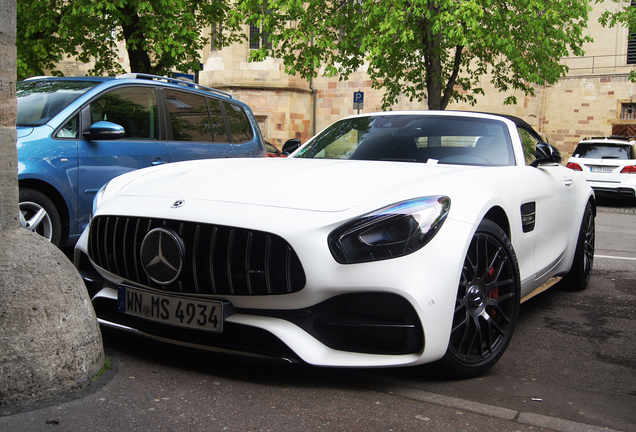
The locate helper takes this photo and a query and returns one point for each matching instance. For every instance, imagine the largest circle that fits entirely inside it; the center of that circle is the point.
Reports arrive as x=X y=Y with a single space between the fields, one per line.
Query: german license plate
x=601 y=169
x=174 y=310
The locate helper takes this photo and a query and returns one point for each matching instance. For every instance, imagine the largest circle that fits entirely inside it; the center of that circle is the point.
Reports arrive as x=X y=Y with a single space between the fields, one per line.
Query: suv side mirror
x=104 y=130
x=291 y=146
x=546 y=154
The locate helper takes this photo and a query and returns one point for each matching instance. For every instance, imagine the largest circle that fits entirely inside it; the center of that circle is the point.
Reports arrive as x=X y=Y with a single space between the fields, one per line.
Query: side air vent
x=528 y=216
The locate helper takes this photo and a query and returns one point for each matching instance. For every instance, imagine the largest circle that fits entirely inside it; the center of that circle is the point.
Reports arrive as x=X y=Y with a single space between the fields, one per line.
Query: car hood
x=304 y=184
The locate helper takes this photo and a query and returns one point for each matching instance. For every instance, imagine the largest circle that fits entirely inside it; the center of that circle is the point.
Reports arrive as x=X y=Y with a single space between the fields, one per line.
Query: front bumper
x=390 y=313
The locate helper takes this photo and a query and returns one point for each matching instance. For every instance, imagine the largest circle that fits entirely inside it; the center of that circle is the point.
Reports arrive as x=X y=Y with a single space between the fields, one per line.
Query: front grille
x=216 y=259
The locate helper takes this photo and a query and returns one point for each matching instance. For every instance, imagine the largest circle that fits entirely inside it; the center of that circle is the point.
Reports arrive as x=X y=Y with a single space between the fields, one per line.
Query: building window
x=254 y=40
x=216 y=37
x=259 y=38
x=631 y=43
x=631 y=48
x=628 y=111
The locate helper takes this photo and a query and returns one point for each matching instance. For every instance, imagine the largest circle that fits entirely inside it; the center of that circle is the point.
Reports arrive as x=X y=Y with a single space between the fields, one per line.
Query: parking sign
x=358 y=100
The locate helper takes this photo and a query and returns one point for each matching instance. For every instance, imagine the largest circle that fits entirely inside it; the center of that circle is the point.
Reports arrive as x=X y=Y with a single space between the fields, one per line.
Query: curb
x=526 y=418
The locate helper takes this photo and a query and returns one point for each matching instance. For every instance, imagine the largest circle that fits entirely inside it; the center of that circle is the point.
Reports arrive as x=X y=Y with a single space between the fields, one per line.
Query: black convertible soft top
x=521 y=124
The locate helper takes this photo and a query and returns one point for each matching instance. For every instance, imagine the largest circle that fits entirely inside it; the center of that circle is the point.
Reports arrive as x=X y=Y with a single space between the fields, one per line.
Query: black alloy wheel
x=487 y=304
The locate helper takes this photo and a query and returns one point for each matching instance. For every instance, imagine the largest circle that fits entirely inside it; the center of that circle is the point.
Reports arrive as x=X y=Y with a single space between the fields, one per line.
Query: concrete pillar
x=8 y=106
x=50 y=342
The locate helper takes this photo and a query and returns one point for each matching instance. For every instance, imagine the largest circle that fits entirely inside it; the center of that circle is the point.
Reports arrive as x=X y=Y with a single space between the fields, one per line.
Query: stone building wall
x=585 y=106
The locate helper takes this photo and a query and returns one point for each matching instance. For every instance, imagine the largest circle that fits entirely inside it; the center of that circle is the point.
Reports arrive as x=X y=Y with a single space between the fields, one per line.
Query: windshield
x=415 y=138
x=39 y=101
x=605 y=151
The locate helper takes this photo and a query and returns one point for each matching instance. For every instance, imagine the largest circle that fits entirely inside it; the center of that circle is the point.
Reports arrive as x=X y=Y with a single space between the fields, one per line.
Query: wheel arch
x=58 y=200
x=498 y=216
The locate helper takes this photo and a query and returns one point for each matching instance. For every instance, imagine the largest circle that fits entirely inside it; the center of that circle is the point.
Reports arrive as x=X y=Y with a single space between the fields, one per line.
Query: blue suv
x=77 y=133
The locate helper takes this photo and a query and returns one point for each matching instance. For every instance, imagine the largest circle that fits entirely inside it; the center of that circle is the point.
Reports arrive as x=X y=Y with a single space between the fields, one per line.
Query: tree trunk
x=433 y=78
x=138 y=57
x=439 y=93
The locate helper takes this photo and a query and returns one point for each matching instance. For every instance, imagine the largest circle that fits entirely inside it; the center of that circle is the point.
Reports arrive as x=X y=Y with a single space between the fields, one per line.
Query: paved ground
x=153 y=388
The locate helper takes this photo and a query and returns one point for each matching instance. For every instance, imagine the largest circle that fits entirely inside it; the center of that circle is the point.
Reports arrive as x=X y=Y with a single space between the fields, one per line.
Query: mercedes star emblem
x=162 y=256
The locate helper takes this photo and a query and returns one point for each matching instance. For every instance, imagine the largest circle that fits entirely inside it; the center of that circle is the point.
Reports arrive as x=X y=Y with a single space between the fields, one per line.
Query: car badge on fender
x=178 y=203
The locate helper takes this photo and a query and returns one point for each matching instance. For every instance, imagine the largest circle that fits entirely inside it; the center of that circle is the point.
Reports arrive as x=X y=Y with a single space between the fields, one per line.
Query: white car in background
x=401 y=238
x=608 y=165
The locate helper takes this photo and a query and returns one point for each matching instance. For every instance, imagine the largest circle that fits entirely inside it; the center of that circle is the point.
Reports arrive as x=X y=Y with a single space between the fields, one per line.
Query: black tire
x=487 y=305
x=579 y=275
x=39 y=214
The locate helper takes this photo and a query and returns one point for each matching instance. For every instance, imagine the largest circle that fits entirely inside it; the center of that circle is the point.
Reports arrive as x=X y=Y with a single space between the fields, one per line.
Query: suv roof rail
x=613 y=137
x=136 y=75
x=38 y=77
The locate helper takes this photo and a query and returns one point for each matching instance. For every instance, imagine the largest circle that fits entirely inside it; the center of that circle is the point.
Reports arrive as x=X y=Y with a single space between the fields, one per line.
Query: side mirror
x=546 y=154
x=291 y=145
x=104 y=130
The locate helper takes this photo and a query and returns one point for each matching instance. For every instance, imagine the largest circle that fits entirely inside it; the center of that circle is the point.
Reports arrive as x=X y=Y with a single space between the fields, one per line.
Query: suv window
x=70 y=129
x=240 y=130
x=218 y=122
x=189 y=116
x=604 y=151
x=134 y=108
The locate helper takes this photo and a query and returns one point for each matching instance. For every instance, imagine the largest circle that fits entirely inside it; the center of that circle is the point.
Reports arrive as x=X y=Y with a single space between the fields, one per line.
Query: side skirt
x=549 y=283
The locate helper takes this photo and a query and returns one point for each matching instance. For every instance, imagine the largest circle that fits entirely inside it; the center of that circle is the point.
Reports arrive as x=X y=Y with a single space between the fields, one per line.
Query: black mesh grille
x=217 y=259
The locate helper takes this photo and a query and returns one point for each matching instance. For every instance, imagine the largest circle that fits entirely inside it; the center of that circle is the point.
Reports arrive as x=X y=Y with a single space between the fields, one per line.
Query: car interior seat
x=387 y=147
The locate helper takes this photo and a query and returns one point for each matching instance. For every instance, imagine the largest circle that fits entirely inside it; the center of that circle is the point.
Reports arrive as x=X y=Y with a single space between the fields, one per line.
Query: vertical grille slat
x=212 y=254
x=146 y=280
x=115 y=246
x=106 y=258
x=217 y=259
x=195 y=252
x=125 y=249
x=248 y=253
x=230 y=245
x=136 y=249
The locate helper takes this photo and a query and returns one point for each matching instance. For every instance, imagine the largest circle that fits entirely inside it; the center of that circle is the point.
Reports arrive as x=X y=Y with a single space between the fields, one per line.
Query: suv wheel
x=38 y=214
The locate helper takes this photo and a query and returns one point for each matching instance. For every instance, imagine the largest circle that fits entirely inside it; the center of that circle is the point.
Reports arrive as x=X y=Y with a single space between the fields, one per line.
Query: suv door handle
x=568 y=182
x=158 y=161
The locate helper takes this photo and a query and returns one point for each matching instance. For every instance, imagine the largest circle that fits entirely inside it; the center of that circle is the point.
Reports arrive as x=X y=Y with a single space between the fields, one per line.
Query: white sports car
x=396 y=239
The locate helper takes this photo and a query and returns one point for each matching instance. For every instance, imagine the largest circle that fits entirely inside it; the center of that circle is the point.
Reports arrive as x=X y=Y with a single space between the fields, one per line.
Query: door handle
x=568 y=182
x=158 y=161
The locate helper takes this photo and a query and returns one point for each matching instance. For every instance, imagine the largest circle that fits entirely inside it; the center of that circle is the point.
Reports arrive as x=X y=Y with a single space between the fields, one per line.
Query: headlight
x=96 y=201
x=390 y=232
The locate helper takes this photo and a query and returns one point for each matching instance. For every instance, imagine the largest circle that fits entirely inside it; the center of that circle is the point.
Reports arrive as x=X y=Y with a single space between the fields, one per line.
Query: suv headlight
x=390 y=232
